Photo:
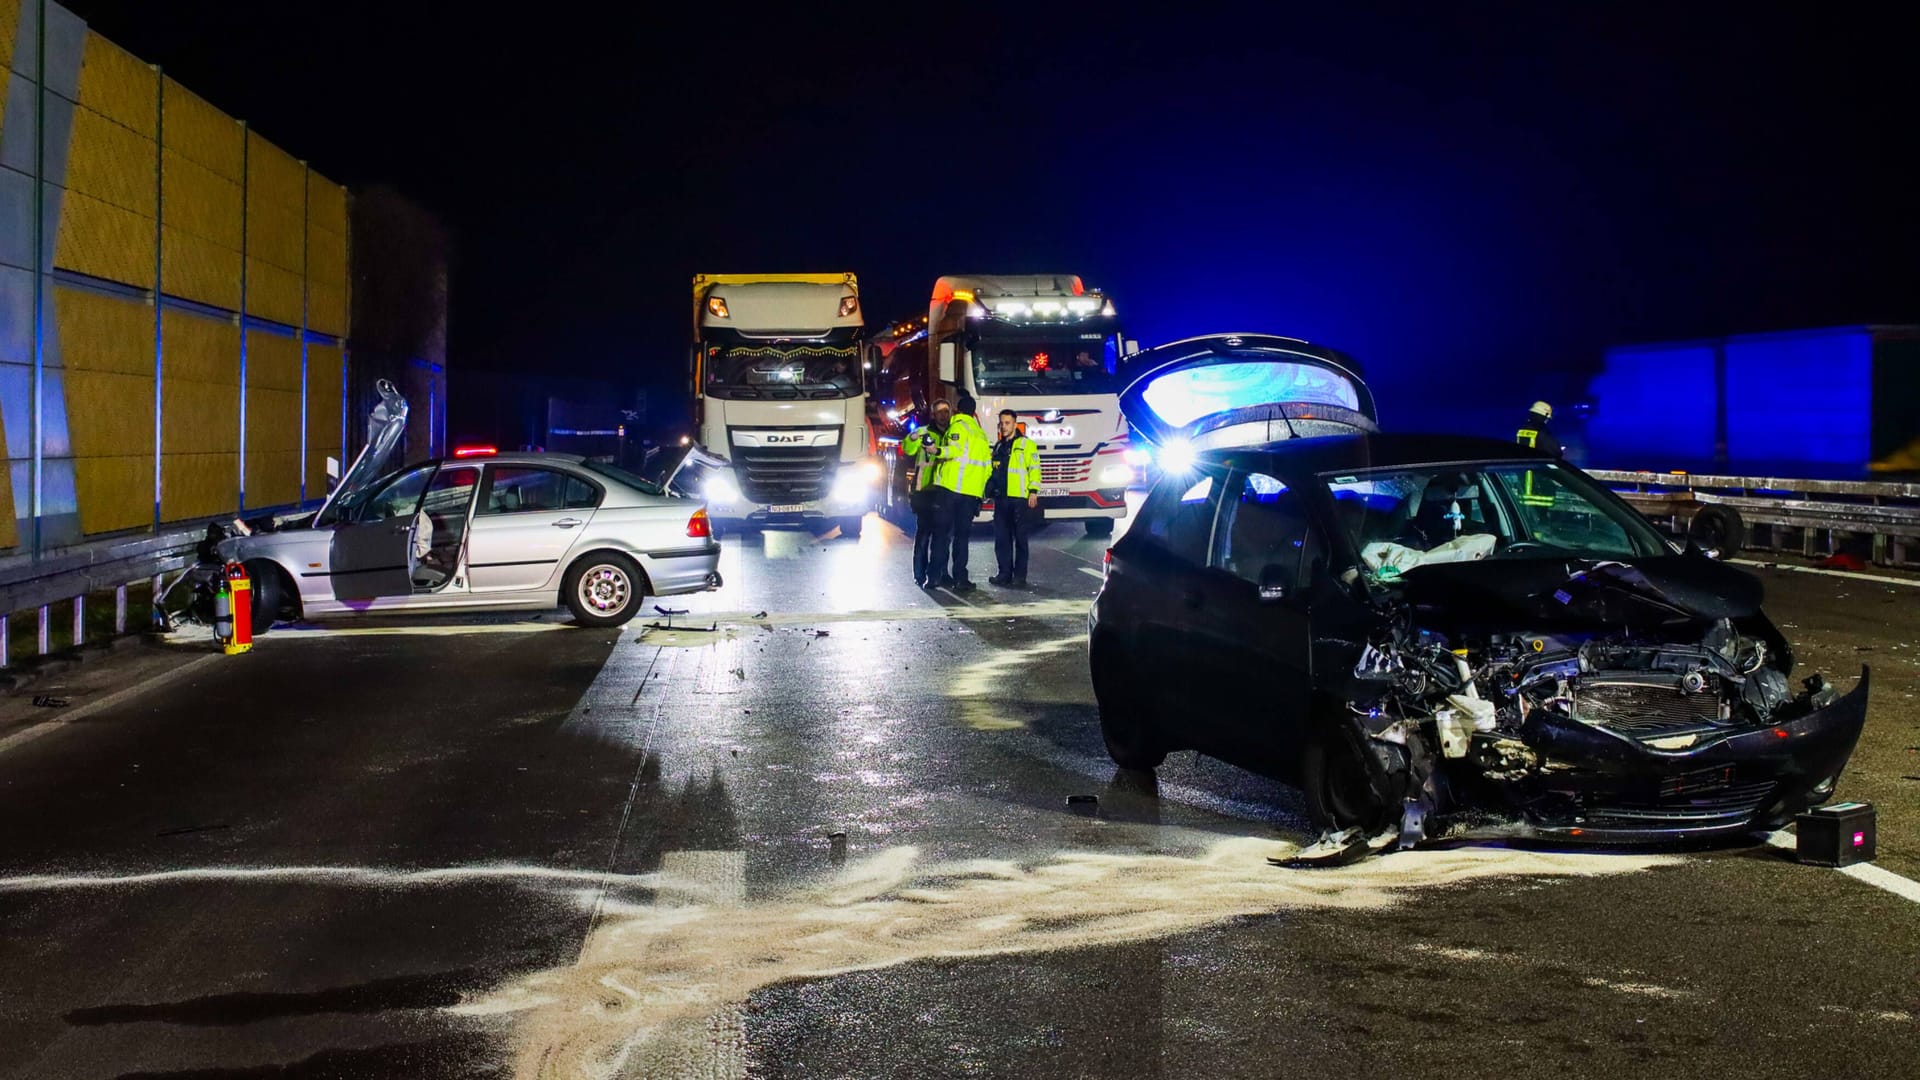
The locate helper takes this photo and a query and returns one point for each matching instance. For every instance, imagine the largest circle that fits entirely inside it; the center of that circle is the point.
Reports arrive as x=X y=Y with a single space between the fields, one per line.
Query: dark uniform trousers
x=1010 y=536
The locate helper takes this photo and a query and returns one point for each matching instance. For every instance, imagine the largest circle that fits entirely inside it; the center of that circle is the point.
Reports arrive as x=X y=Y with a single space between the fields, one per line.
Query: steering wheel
x=1522 y=545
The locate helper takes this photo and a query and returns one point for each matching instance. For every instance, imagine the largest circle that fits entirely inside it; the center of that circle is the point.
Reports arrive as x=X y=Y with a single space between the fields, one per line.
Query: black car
x=1437 y=635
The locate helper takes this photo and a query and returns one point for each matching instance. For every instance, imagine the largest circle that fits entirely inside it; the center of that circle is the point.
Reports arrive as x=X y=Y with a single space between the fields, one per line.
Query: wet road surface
x=819 y=826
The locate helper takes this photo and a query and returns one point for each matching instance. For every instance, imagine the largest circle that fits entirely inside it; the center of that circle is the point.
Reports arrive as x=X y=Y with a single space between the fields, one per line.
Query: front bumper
x=1090 y=504
x=1615 y=789
x=791 y=515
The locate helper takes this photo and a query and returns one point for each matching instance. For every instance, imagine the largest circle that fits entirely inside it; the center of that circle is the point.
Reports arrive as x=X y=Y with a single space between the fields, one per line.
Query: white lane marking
x=55 y=723
x=322 y=632
x=1876 y=876
x=1823 y=572
x=1031 y=609
x=370 y=876
x=1095 y=573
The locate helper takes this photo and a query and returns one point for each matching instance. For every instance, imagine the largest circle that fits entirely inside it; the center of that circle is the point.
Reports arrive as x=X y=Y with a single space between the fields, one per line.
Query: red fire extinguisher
x=233 y=610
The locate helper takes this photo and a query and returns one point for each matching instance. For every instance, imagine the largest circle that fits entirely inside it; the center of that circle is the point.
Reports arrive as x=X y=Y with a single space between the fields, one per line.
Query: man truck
x=1048 y=348
x=779 y=396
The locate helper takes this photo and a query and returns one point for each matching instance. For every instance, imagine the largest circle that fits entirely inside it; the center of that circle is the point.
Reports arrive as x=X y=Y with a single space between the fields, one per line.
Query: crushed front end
x=1605 y=725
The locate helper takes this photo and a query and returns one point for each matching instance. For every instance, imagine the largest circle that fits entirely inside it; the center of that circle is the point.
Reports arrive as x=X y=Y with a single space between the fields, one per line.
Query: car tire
x=603 y=589
x=269 y=593
x=1133 y=742
x=850 y=527
x=1099 y=526
x=1338 y=790
x=1719 y=529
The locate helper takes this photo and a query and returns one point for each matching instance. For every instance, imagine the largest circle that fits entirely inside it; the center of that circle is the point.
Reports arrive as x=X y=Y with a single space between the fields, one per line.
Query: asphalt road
x=820 y=827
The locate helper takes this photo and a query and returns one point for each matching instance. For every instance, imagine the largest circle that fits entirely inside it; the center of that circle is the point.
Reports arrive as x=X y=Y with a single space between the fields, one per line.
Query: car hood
x=1243 y=390
x=385 y=427
x=1640 y=592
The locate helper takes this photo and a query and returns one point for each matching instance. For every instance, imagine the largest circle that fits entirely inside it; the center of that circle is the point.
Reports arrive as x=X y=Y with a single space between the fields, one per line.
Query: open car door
x=1243 y=390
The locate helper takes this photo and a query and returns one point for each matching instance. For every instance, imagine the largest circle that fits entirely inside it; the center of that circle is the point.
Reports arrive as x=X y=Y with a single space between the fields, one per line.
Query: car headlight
x=720 y=488
x=1116 y=475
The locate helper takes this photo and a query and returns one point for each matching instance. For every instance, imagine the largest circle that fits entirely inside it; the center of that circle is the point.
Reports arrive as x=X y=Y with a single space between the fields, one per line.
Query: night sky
x=1474 y=199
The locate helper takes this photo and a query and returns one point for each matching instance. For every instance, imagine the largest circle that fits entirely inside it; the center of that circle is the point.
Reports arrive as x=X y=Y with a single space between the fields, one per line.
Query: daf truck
x=780 y=398
x=1048 y=348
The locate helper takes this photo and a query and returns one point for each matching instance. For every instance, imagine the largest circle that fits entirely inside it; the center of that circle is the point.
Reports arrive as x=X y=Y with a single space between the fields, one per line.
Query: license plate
x=1052 y=492
x=1049 y=432
x=787 y=508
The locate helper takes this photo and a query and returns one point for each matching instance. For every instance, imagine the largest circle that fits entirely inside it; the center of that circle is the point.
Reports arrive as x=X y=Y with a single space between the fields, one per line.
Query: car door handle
x=568 y=523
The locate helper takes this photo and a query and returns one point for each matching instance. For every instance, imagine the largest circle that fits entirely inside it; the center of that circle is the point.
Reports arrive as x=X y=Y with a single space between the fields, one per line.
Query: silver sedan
x=485 y=532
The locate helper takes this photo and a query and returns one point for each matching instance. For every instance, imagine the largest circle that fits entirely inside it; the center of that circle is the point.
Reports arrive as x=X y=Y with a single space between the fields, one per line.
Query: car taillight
x=698 y=527
x=1106 y=564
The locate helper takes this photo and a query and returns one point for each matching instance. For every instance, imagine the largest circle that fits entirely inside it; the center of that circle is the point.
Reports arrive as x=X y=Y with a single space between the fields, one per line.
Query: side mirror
x=1274 y=582
x=949 y=362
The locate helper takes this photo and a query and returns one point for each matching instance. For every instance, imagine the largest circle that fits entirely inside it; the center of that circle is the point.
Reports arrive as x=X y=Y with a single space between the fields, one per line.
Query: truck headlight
x=849 y=305
x=717 y=306
x=720 y=488
x=1116 y=475
x=855 y=483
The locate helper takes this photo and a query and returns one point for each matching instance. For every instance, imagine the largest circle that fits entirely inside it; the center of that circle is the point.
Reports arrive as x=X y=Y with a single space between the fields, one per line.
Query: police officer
x=1015 y=489
x=1533 y=432
x=965 y=460
x=922 y=446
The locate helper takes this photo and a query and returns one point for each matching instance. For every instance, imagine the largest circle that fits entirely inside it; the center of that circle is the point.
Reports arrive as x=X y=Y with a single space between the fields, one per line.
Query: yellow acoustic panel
x=115 y=492
x=199 y=417
x=323 y=415
x=112 y=163
x=326 y=204
x=274 y=177
x=273 y=478
x=273 y=424
x=199 y=269
x=326 y=256
x=274 y=235
x=102 y=240
x=273 y=293
x=103 y=333
x=9 y=25
x=273 y=362
x=327 y=308
x=109 y=414
x=119 y=85
x=199 y=485
x=196 y=348
x=201 y=201
x=202 y=133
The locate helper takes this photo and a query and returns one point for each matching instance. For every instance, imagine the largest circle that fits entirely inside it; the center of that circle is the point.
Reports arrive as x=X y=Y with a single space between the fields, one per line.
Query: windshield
x=783 y=370
x=622 y=476
x=1402 y=518
x=1063 y=364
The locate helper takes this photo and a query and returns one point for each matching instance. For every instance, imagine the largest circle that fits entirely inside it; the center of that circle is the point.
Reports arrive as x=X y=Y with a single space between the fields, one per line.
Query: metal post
x=79 y=621
x=46 y=630
x=39 y=279
x=120 y=610
x=6 y=640
x=155 y=590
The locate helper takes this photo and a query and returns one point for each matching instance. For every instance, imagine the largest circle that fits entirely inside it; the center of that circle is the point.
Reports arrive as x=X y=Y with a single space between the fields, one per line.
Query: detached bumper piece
x=1611 y=787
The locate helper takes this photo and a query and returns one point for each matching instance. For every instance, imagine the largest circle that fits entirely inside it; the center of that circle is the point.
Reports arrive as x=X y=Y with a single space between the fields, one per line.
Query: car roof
x=516 y=457
x=1330 y=453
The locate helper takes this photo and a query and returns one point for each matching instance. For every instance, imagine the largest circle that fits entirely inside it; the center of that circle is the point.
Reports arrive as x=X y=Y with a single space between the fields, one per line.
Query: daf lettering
x=786 y=438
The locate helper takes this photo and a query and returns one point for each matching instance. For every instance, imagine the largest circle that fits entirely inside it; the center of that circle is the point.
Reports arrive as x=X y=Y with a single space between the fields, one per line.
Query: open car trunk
x=1243 y=390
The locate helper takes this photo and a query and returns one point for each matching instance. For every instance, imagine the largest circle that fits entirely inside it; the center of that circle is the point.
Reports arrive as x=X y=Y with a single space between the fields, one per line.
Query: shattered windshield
x=1403 y=518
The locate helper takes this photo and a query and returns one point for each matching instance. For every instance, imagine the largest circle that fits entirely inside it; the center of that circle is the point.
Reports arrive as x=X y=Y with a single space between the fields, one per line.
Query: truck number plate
x=786 y=508
x=1052 y=492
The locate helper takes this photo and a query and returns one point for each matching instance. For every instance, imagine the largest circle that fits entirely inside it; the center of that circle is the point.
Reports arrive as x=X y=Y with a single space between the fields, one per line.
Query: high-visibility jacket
x=1023 y=468
x=924 y=447
x=966 y=458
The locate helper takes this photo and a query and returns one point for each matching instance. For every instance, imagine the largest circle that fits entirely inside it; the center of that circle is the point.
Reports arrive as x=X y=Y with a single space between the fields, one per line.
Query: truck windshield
x=782 y=369
x=1065 y=364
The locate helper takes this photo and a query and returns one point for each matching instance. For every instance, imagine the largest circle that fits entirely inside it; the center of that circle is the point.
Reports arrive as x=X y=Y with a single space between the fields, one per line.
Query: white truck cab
x=779 y=392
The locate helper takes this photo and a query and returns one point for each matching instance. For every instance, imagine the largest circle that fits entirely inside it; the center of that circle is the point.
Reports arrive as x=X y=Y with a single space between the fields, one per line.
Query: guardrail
x=1808 y=517
x=68 y=576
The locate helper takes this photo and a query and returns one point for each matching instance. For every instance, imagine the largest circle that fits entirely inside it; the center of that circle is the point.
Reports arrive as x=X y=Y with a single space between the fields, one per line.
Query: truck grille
x=1065 y=472
x=787 y=474
x=1645 y=710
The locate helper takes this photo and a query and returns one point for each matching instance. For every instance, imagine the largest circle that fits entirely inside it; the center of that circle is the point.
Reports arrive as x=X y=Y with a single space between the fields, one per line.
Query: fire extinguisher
x=233 y=610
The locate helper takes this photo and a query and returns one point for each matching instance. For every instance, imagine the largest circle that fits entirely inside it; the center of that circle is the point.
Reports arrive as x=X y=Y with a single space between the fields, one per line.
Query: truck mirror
x=949 y=362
